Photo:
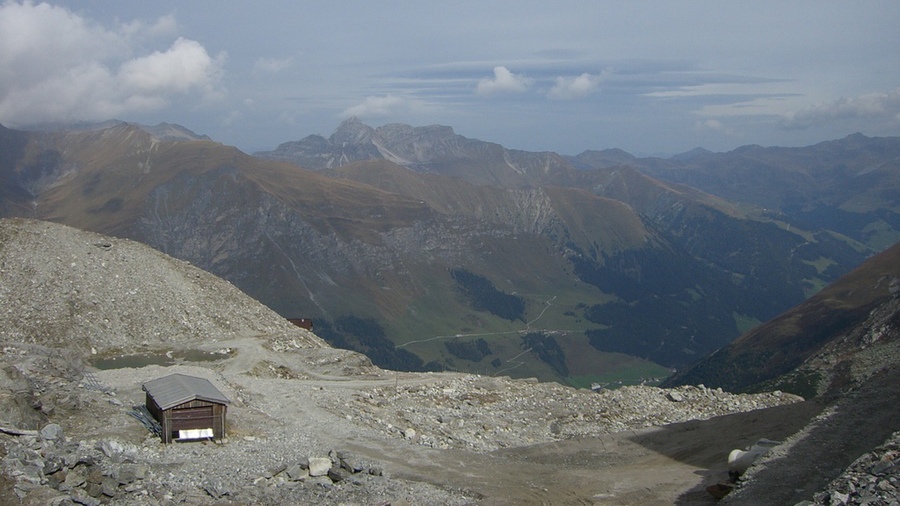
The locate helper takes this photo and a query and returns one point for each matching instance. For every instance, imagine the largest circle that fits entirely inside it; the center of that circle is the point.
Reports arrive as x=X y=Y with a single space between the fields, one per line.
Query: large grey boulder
x=52 y=432
x=319 y=466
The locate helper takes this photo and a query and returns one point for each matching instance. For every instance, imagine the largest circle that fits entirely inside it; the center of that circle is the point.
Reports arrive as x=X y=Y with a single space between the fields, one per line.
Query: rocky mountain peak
x=173 y=132
x=399 y=132
x=352 y=131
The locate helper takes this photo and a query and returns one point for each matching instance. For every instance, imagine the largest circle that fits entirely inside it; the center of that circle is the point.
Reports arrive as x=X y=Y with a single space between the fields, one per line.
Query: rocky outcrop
x=77 y=472
x=874 y=478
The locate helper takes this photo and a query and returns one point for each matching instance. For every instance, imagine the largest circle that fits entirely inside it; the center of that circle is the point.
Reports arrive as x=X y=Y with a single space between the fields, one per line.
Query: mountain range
x=428 y=250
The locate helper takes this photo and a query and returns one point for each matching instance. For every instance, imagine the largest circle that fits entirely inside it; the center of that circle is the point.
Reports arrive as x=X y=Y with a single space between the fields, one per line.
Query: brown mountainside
x=820 y=345
x=440 y=251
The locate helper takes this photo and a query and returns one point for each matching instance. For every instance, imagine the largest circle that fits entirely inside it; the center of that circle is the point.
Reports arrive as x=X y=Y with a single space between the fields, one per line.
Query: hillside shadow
x=858 y=422
x=706 y=443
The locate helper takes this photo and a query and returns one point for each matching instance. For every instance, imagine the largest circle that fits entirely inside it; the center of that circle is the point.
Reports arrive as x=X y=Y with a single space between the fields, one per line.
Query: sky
x=650 y=77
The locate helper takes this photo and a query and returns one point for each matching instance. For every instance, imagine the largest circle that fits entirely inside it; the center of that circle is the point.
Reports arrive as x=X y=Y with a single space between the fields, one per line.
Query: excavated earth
x=70 y=298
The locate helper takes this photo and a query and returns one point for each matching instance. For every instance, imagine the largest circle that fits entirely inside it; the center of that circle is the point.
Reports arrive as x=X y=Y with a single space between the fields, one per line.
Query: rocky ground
x=308 y=424
x=401 y=437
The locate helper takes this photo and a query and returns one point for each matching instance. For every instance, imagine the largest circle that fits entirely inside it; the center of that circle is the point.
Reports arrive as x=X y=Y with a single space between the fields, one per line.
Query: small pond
x=159 y=358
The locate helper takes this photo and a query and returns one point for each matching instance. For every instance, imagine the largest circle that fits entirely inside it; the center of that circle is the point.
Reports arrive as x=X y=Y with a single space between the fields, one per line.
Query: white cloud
x=384 y=106
x=57 y=66
x=164 y=26
x=884 y=105
x=504 y=81
x=570 y=88
x=714 y=125
x=183 y=67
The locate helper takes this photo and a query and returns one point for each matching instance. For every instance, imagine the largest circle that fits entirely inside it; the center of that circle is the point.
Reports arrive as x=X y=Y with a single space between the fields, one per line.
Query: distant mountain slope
x=415 y=261
x=820 y=345
x=849 y=186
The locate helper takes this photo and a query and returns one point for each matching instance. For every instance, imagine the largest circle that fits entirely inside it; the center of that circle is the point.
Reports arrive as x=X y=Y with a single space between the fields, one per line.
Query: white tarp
x=195 y=433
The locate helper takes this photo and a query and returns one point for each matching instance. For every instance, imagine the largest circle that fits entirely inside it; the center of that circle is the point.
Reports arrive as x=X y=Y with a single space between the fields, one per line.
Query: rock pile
x=335 y=468
x=45 y=468
x=873 y=479
x=486 y=413
x=76 y=472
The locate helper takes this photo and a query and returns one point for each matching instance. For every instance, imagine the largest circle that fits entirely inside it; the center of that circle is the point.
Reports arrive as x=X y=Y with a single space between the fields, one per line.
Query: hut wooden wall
x=189 y=415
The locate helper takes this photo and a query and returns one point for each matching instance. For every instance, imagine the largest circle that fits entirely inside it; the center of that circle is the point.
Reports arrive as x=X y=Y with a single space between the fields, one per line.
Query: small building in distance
x=187 y=407
x=303 y=323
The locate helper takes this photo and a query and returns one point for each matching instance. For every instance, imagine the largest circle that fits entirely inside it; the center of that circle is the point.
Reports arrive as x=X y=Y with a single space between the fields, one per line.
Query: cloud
x=504 y=81
x=376 y=107
x=56 y=65
x=183 y=67
x=571 y=88
x=272 y=65
x=884 y=105
x=164 y=26
x=715 y=125
x=387 y=106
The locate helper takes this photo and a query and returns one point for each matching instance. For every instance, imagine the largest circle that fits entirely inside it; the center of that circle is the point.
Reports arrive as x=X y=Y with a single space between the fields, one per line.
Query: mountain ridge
x=369 y=247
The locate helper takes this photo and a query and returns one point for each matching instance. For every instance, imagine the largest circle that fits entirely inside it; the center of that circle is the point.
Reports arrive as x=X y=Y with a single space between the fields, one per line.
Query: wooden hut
x=303 y=323
x=187 y=407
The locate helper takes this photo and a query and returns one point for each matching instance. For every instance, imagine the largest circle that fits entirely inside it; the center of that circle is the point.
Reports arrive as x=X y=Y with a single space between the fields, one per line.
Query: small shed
x=303 y=323
x=187 y=407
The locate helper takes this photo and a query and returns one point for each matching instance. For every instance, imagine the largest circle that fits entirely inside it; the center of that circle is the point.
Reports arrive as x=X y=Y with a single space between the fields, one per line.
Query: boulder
x=350 y=462
x=79 y=497
x=109 y=486
x=215 y=488
x=129 y=473
x=52 y=432
x=93 y=489
x=319 y=466
x=275 y=471
x=73 y=480
x=296 y=472
x=675 y=396
x=338 y=474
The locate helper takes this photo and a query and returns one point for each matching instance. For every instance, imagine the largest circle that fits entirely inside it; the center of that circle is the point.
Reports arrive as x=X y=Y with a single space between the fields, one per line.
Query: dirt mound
x=80 y=290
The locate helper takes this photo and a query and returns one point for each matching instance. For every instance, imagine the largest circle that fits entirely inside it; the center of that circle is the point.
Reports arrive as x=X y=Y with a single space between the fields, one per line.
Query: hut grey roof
x=176 y=389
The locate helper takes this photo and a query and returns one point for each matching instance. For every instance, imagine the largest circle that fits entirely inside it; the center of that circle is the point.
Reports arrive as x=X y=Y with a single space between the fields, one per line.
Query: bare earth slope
x=66 y=435
x=73 y=289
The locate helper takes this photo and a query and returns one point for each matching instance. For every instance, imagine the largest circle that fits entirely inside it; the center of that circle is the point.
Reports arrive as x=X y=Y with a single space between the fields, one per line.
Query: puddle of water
x=161 y=358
